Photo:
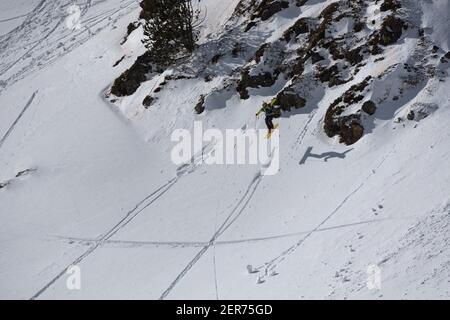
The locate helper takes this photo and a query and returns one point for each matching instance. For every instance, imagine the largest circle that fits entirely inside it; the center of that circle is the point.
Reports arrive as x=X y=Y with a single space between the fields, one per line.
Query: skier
x=270 y=112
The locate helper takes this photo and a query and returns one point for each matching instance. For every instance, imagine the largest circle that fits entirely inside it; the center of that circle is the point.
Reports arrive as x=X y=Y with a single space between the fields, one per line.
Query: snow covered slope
x=87 y=180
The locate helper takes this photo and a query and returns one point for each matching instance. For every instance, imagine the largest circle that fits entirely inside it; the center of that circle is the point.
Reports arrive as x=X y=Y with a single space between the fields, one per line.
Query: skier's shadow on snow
x=325 y=156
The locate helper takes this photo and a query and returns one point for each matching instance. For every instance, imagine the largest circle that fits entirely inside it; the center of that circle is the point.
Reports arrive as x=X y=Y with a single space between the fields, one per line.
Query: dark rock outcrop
x=316 y=57
x=348 y=127
x=268 y=8
x=287 y=100
x=129 y=81
x=359 y=26
x=354 y=56
x=390 y=5
x=326 y=74
x=148 y=100
x=369 y=107
x=260 y=52
x=254 y=81
x=200 y=106
x=351 y=131
x=391 y=30
x=301 y=26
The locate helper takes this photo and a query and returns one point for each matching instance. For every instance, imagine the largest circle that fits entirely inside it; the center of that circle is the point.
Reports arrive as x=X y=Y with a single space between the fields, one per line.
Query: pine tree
x=169 y=28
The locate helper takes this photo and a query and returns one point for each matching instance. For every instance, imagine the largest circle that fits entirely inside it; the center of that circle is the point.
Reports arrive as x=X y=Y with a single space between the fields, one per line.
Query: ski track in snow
x=145 y=203
x=87 y=25
x=13 y=125
x=197 y=244
x=14 y=18
x=245 y=199
x=299 y=140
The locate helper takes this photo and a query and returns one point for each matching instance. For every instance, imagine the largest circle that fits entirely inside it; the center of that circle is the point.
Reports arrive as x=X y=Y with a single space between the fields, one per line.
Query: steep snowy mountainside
x=86 y=176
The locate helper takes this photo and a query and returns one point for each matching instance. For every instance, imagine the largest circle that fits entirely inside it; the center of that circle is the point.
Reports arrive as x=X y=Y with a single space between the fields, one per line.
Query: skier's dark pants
x=269 y=123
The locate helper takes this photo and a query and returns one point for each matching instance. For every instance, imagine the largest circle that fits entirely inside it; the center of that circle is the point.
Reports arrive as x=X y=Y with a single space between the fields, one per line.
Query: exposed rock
x=351 y=131
x=216 y=58
x=300 y=26
x=331 y=125
x=326 y=74
x=354 y=56
x=316 y=57
x=118 y=62
x=390 y=5
x=328 y=12
x=335 y=49
x=200 y=106
x=177 y=77
x=268 y=8
x=250 y=25
x=335 y=81
x=350 y=97
x=298 y=67
x=348 y=127
x=288 y=100
x=260 y=52
x=369 y=107
x=420 y=111
x=147 y=6
x=316 y=35
x=319 y=33
x=148 y=100
x=131 y=79
x=359 y=26
x=236 y=50
x=130 y=28
x=361 y=85
x=391 y=30
x=376 y=50
x=254 y=81
x=300 y=3
x=242 y=7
